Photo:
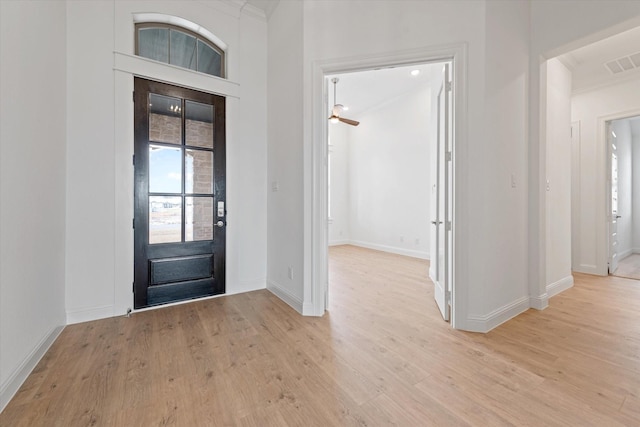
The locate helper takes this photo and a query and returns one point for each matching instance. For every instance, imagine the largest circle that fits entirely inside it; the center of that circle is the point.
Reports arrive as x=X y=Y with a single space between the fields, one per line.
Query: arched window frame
x=199 y=33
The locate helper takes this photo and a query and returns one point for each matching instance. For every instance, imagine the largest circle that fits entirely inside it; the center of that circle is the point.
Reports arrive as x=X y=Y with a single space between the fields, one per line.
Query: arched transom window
x=178 y=46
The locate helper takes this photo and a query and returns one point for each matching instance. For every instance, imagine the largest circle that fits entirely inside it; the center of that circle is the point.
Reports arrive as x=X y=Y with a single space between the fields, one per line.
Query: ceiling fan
x=339 y=108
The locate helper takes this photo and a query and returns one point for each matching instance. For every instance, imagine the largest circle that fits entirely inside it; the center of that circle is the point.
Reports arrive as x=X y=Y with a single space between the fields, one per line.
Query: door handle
x=220 y=224
x=618 y=216
x=436 y=222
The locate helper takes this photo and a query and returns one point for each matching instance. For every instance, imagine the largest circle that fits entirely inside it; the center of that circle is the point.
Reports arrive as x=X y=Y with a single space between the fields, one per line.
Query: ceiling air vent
x=623 y=64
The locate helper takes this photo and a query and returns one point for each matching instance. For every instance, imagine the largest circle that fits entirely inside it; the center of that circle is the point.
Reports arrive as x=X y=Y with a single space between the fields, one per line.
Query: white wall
x=592 y=109
x=90 y=161
x=551 y=35
x=284 y=157
x=32 y=185
x=558 y=207
x=389 y=176
x=503 y=105
x=497 y=246
x=99 y=253
x=492 y=214
x=622 y=128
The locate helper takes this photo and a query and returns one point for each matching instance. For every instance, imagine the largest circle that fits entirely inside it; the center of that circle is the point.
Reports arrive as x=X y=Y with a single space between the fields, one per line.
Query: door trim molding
x=125 y=68
x=315 y=171
x=174 y=75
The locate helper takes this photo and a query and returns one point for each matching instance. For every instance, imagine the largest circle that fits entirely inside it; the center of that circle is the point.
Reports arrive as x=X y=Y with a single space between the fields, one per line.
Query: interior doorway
x=389 y=166
x=179 y=194
x=623 y=145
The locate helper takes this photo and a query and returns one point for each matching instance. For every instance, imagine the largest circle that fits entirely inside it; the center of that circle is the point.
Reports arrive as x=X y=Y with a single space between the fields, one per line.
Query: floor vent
x=626 y=63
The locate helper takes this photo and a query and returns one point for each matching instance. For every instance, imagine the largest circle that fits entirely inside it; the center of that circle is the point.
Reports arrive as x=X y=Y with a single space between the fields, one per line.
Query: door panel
x=179 y=240
x=441 y=224
x=180 y=269
x=613 y=212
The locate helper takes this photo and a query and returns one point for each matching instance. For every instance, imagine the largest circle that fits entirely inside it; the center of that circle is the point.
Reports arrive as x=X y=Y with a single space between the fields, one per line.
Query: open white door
x=613 y=212
x=441 y=200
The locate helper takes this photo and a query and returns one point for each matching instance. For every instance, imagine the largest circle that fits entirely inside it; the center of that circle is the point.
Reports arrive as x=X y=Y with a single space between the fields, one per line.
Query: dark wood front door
x=180 y=194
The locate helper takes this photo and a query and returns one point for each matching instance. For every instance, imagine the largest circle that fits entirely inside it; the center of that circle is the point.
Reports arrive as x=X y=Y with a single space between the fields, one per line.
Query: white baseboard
x=497 y=317
x=540 y=302
x=560 y=286
x=635 y=250
x=285 y=296
x=587 y=269
x=391 y=249
x=339 y=242
x=11 y=386
x=89 y=314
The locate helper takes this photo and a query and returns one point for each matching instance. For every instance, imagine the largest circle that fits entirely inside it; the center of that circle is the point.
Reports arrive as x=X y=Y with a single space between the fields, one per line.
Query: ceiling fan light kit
x=337 y=109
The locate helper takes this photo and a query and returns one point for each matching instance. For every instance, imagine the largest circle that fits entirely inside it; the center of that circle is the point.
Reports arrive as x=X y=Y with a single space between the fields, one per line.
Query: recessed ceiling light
x=415 y=72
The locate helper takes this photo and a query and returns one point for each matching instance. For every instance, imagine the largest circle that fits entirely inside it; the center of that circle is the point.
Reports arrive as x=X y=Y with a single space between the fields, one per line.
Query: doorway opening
x=390 y=170
x=623 y=145
x=599 y=94
x=179 y=194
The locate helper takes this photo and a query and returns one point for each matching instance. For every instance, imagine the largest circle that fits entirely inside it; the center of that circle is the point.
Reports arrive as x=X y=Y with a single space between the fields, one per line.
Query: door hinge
x=133 y=159
x=448 y=156
x=448 y=224
x=448 y=86
x=133 y=287
x=133 y=96
x=133 y=223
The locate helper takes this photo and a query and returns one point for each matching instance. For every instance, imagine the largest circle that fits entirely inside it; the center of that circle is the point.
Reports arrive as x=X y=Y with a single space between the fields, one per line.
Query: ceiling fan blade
x=349 y=121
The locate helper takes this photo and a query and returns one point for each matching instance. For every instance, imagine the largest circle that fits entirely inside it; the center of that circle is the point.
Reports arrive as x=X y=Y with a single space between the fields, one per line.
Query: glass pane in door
x=165 y=119
x=199 y=124
x=165 y=219
x=198 y=218
x=198 y=170
x=165 y=169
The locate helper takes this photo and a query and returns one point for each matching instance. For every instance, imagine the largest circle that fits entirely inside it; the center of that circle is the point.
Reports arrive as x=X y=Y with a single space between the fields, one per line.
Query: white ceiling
x=587 y=63
x=364 y=90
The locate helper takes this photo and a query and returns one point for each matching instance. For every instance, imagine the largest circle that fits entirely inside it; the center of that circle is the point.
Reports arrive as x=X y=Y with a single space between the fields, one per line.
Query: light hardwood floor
x=629 y=267
x=381 y=356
